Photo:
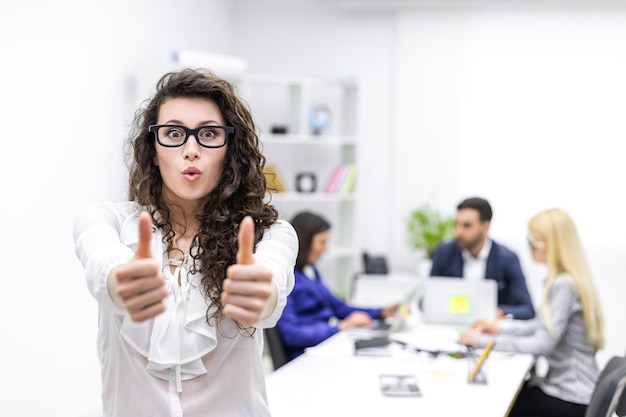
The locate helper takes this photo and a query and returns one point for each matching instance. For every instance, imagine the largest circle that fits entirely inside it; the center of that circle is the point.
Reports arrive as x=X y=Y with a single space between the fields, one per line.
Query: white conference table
x=330 y=380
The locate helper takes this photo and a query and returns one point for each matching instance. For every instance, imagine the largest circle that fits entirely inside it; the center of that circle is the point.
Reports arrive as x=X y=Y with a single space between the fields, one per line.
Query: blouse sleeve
x=562 y=302
x=278 y=251
x=99 y=248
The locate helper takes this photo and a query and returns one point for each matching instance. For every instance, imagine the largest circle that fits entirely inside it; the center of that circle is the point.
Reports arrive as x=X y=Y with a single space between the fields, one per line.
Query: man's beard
x=471 y=245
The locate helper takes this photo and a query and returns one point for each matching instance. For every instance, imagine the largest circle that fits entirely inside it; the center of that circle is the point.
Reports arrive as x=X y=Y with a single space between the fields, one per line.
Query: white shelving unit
x=285 y=102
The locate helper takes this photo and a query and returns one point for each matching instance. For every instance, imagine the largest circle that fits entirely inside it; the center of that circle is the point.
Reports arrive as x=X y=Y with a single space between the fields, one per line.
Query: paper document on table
x=431 y=338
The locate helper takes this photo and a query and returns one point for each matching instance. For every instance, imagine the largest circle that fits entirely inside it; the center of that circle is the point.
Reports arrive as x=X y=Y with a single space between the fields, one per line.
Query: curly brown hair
x=240 y=192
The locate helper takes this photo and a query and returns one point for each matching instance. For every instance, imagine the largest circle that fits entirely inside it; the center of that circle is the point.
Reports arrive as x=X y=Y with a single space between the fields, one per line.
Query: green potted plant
x=427 y=227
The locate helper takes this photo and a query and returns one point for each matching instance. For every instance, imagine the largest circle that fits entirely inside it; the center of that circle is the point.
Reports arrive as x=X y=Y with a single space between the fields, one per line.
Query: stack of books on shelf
x=274 y=180
x=343 y=180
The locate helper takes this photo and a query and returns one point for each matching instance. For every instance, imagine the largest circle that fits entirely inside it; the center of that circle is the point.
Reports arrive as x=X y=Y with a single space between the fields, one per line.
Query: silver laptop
x=407 y=306
x=458 y=301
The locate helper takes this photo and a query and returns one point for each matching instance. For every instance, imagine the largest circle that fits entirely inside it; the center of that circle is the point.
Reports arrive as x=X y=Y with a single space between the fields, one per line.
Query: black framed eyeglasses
x=173 y=136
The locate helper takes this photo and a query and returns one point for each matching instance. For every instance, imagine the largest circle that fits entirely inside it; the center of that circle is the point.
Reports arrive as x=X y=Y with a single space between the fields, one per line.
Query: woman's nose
x=191 y=148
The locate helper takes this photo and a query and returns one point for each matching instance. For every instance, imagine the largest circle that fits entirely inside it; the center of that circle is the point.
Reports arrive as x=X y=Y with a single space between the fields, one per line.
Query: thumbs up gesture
x=248 y=293
x=138 y=285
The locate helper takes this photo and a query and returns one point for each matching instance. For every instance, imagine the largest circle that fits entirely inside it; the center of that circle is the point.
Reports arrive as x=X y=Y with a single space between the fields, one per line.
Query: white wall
x=66 y=100
x=524 y=107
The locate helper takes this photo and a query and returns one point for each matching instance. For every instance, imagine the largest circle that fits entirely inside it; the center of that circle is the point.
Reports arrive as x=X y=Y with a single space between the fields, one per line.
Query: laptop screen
x=448 y=300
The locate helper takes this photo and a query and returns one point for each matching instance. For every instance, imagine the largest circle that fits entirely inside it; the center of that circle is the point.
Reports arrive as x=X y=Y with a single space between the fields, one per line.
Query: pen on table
x=481 y=359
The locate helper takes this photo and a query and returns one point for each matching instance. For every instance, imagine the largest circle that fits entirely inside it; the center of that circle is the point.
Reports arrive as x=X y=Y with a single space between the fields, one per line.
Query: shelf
x=286 y=197
x=284 y=103
x=309 y=139
x=298 y=81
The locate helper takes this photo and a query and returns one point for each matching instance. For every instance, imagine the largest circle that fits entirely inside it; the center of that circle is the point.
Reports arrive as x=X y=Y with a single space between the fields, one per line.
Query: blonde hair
x=565 y=256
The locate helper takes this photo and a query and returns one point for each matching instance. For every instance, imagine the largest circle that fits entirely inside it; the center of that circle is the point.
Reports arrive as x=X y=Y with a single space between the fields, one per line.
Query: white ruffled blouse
x=175 y=364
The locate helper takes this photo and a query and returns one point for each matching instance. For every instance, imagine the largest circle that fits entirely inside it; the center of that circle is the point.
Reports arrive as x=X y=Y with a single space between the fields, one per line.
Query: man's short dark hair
x=480 y=204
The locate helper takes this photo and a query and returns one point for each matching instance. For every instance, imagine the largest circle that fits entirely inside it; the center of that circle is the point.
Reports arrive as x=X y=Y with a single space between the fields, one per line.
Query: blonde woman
x=568 y=331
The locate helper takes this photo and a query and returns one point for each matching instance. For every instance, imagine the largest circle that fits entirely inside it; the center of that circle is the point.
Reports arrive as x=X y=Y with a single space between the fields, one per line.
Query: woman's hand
x=470 y=337
x=248 y=293
x=390 y=310
x=138 y=285
x=489 y=327
x=357 y=318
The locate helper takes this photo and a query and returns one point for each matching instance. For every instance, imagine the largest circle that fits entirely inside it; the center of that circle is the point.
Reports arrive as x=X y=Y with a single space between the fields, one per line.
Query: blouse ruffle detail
x=177 y=339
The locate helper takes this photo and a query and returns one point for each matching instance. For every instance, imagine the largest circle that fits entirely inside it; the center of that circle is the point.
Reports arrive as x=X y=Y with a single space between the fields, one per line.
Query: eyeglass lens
x=534 y=243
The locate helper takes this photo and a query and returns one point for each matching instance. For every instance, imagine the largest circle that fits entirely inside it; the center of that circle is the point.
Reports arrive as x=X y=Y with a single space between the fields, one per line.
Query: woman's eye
x=207 y=133
x=175 y=133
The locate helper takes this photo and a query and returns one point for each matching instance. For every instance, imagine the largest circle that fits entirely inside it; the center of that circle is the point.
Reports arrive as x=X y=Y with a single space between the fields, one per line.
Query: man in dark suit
x=473 y=255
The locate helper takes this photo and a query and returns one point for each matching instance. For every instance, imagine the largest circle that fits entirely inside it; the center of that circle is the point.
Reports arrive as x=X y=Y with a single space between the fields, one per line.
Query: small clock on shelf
x=306 y=182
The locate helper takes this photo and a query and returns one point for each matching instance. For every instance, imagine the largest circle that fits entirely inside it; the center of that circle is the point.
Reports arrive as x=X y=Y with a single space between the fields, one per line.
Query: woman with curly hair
x=188 y=270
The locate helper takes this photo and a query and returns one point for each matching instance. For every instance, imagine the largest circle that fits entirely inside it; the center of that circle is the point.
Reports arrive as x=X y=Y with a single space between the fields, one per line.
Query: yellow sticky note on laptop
x=459 y=304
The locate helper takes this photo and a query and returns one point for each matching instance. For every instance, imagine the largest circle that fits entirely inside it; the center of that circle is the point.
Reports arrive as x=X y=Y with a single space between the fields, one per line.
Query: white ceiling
x=424 y=4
